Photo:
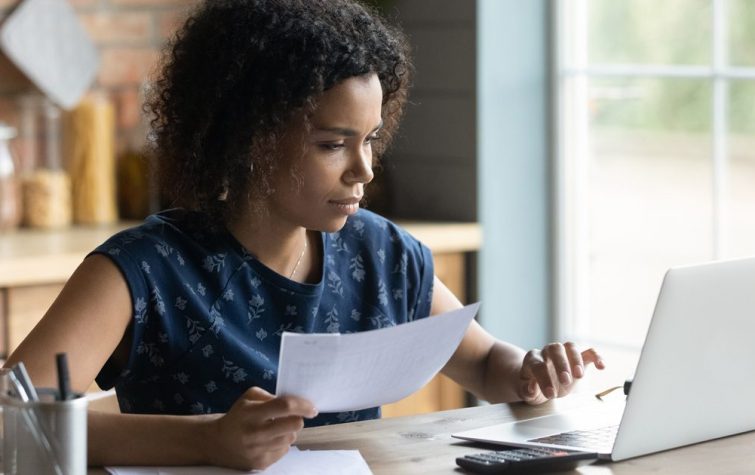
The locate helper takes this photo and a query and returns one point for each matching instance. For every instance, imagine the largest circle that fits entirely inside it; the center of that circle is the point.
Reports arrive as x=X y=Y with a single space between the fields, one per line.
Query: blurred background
x=594 y=143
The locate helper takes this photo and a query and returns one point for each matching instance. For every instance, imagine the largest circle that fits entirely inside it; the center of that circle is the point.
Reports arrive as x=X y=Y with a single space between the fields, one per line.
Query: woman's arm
x=88 y=321
x=497 y=371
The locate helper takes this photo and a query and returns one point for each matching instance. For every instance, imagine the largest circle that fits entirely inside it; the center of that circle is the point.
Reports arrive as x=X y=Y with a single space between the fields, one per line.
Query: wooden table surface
x=422 y=444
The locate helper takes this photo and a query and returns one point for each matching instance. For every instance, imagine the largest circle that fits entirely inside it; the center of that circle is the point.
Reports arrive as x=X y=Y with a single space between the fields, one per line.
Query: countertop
x=34 y=257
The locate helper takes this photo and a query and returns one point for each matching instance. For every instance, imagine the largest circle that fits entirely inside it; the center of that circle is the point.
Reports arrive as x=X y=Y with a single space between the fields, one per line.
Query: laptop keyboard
x=600 y=439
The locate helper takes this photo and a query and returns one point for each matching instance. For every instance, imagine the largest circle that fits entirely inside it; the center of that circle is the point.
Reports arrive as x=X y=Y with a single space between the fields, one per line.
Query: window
x=656 y=154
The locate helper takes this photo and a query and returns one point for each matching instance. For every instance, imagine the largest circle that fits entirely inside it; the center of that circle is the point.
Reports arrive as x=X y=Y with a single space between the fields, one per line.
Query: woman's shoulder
x=391 y=267
x=168 y=231
x=367 y=233
x=372 y=227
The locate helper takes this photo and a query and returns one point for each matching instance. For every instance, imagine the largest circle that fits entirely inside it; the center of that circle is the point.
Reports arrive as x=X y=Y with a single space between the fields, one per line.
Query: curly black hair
x=238 y=71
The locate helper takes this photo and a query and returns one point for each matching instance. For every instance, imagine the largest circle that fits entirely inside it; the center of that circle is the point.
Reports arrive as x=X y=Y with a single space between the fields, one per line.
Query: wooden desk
x=422 y=444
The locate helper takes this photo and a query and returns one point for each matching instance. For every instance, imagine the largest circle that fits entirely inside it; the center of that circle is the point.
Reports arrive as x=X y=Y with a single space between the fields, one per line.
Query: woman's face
x=333 y=159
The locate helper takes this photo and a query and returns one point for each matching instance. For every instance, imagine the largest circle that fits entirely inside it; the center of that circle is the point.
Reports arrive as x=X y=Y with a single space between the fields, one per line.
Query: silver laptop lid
x=696 y=373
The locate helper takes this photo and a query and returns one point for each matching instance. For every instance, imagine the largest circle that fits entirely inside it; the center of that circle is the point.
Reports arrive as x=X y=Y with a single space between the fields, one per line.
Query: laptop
x=692 y=383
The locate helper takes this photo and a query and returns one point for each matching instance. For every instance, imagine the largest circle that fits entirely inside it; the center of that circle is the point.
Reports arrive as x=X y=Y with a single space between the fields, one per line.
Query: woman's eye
x=371 y=138
x=331 y=146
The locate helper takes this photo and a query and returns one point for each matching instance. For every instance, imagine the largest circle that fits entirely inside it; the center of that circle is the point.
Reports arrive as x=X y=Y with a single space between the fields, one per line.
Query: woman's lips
x=348 y=206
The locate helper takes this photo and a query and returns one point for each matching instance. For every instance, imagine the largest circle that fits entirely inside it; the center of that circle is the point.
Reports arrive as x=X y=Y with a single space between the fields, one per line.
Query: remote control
x=530 y=460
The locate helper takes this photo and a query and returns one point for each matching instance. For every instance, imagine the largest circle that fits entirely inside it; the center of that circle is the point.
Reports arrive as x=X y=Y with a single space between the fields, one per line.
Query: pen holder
x=65 y=426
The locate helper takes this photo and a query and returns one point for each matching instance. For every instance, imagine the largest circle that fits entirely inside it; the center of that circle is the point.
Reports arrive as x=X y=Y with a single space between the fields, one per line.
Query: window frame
x=571 y=73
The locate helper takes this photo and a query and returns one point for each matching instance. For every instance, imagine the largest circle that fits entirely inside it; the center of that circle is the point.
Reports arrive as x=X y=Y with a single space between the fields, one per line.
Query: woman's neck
x=283 y=247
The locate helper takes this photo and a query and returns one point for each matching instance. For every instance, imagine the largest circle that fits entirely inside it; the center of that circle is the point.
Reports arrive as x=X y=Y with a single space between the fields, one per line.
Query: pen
x=24 y=389
x=19 y=370
x=64 y=382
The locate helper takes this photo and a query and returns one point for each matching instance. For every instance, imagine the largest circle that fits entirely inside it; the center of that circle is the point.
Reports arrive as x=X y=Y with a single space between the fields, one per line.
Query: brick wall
x=436 y=139
x=129 y=34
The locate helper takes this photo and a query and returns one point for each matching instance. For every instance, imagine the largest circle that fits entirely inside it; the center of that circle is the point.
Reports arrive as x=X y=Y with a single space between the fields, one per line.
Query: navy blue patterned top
x=208 y=317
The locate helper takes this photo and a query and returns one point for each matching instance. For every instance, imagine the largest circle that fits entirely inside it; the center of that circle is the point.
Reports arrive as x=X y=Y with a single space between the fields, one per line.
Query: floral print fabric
x=208 y=317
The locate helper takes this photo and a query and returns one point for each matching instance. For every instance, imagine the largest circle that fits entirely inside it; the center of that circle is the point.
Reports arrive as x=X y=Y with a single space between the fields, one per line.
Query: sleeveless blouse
x=208 y=316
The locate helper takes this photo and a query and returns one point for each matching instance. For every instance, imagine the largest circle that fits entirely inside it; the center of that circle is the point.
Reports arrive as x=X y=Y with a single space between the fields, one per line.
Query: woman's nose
x=360 y=170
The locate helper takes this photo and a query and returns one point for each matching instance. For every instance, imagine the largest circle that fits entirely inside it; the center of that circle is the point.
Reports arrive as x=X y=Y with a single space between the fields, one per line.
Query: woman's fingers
x=556 y=354
x=554 y=369
x=284 y=425
x=575 y=360
x=257 y=394
x=285 y=406
x=284 y=440
x=531 y=393
x=536 y=368
x=258 y=429
x=260 y=405
x=592 y=356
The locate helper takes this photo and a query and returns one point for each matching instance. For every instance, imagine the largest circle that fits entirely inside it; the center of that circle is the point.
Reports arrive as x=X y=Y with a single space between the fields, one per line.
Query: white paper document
x=295 y=462
x=349 y=372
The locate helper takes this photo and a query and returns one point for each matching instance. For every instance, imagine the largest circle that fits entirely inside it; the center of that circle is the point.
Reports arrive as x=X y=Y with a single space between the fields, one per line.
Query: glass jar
x=135 y=184
x=90 y=155
x=46 y=187
x=10 y=206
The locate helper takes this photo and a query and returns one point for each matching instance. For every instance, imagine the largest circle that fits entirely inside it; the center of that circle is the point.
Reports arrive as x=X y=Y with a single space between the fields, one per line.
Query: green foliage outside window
x=668 y=32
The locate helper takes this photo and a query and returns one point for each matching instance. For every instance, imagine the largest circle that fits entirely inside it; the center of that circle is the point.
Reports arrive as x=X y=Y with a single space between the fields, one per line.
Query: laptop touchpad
x=569 y=421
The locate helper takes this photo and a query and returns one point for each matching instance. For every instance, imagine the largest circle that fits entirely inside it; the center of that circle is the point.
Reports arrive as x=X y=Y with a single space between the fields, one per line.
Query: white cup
x=63 y=423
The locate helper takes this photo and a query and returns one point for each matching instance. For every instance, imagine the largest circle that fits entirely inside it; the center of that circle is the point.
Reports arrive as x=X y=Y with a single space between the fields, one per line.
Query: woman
x=268 y=118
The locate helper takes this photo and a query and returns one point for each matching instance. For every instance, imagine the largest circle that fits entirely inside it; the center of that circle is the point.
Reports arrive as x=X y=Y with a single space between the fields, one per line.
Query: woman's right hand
x=257 y=430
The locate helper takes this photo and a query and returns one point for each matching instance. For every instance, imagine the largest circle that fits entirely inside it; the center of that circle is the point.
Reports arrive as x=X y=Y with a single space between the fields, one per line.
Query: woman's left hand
x=551 y=372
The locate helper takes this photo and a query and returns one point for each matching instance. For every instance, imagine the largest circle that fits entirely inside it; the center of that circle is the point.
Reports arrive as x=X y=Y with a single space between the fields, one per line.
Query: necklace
x=298 y=261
